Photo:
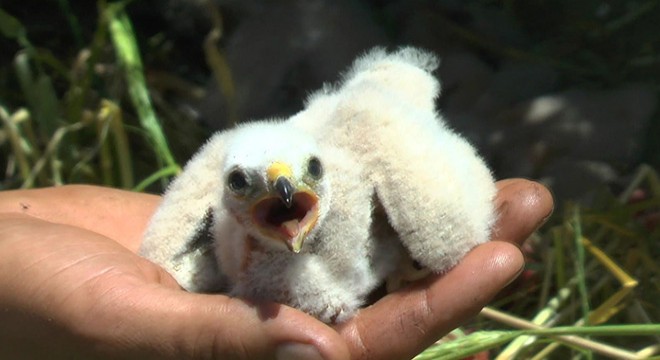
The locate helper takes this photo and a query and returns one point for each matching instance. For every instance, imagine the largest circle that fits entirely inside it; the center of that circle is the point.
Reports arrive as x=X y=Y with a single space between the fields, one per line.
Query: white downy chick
x=263 y=212
x=393 y=176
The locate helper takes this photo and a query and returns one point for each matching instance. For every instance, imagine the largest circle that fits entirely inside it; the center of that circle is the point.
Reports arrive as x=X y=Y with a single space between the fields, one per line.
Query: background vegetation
x=101 y=92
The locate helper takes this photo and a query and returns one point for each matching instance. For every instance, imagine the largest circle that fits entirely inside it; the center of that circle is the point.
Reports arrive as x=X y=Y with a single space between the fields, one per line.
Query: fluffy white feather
x=397 y=184
x=436 y=190
x=170 y=238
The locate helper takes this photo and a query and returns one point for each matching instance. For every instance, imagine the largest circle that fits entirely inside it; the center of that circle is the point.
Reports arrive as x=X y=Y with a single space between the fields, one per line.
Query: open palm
x=71 y=285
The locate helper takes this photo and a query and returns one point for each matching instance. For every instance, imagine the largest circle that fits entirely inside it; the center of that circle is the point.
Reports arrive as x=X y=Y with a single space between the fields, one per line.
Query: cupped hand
x=72 y=286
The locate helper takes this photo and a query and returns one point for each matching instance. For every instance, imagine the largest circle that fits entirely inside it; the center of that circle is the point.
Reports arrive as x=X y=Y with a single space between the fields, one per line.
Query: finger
x=523 y=206
x=118 y=214
x=410 y=320
x=184 y=325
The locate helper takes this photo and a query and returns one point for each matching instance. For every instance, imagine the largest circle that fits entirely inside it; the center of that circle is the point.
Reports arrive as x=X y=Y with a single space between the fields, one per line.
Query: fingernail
x=502 y=209
x=544 y=220
x=295 y=351
x=514 y=277
x=517 y=274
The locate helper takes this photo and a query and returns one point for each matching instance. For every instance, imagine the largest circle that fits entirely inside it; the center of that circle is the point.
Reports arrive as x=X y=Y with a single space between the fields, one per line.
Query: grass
x=79 y=134
x=598 y=300
x=128 y=56
x=592 y=281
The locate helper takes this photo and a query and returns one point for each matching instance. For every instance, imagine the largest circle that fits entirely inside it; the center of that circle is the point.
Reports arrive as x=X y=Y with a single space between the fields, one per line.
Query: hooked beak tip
x=285 y=190
x=296 y=244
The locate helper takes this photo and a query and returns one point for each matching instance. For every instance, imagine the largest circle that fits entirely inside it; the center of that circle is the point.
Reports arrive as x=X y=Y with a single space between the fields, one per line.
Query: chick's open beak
x=287 y=213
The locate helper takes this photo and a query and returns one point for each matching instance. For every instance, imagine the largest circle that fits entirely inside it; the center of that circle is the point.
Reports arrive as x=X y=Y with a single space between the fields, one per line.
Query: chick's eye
x=314 y=168
x=237 y=181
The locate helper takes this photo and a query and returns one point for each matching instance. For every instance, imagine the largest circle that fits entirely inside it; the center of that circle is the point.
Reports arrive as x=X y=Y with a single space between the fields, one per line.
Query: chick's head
x=275 y=185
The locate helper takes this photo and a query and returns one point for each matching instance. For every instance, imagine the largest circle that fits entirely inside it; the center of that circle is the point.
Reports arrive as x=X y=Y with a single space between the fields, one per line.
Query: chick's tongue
x=291 y=227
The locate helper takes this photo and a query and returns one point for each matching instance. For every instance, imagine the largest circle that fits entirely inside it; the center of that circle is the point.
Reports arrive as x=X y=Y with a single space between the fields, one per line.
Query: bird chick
x=284 y=219
x=317 y=210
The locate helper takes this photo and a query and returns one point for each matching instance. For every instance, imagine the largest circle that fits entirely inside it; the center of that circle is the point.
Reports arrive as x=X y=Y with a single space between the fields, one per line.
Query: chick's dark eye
x=314 y=168
x=237 y=181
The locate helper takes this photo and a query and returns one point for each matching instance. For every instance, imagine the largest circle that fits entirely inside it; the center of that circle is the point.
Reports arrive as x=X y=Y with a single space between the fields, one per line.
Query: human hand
x=71 y=285
x=404 y=323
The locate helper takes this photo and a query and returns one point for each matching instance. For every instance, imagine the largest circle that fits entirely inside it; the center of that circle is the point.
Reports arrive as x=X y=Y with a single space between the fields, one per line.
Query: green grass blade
x=65 y=7
x=122 y=147
x=14 y=136
x=39 y=94
x=162 y=173
x=600 y=330
x=11 y=27
x=123 y=38
x=469 y=345
x=580 y=266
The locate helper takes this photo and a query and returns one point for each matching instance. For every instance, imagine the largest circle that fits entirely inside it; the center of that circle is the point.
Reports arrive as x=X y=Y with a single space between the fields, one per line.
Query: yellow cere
x=277 y=169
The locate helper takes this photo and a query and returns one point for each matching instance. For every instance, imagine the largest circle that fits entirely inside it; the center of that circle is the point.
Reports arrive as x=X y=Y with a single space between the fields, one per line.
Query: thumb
x=167 y=323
